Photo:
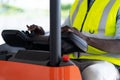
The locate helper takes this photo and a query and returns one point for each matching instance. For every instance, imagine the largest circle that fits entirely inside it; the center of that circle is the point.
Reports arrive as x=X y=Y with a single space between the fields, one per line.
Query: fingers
x=66 y=29
x=38 y=30
x=32 y=27
x=71 y=30
x=27 y=26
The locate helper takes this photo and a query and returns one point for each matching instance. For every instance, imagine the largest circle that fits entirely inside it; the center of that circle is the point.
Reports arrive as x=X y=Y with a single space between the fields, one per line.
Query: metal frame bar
x=55 y=32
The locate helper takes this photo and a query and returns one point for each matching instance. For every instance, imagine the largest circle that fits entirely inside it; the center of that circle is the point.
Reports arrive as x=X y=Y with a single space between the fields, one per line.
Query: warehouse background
x=16 y=14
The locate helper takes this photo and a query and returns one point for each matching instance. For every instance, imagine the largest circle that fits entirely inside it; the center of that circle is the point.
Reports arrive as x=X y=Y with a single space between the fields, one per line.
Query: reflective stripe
x=110 y=57
x=76 y=11
x=93 y=18
x=113 y=60
x=111 y=20
x=80 y=16
x=103 y=21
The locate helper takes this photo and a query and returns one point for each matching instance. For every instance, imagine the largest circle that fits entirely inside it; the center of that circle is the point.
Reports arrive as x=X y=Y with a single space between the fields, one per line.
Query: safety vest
x=98 y=22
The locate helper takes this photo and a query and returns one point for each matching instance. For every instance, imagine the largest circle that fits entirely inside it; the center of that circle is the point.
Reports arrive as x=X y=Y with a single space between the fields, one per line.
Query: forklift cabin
x=38 y=64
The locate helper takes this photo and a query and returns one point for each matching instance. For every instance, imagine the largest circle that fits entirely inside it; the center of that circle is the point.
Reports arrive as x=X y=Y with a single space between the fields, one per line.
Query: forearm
x=111 y=46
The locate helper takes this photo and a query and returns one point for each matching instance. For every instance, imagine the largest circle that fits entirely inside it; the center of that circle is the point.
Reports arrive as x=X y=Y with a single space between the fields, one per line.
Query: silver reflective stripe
x=76 y=10
x=114 y=55
x=103 y=21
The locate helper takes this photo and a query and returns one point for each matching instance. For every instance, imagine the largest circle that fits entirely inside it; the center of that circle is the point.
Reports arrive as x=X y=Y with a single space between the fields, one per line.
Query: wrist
x=87 y=39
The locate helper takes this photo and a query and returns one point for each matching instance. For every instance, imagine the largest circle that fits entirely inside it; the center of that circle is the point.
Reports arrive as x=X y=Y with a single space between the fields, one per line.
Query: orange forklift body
x=21 y=71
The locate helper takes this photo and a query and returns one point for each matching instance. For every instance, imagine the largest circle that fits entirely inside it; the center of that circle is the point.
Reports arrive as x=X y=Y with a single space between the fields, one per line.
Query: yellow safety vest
x=100 y=21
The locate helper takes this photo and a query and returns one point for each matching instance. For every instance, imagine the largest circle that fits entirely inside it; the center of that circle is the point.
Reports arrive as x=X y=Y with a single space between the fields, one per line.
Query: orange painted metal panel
x=21 y=71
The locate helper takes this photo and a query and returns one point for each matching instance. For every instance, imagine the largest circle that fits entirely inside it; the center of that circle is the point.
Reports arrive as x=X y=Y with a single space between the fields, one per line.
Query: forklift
x=39 y=64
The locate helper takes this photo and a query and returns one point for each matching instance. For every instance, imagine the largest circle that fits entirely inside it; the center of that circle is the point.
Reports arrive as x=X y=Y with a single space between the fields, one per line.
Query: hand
x=73 y=30
x=38 y=30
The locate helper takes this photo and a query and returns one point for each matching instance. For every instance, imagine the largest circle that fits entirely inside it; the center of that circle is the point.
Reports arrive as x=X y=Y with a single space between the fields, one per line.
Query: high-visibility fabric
x=103 y=19
x=93 y=50
x=78 y=12
x=102 y=11
x=100 y=20
x=113 y=60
